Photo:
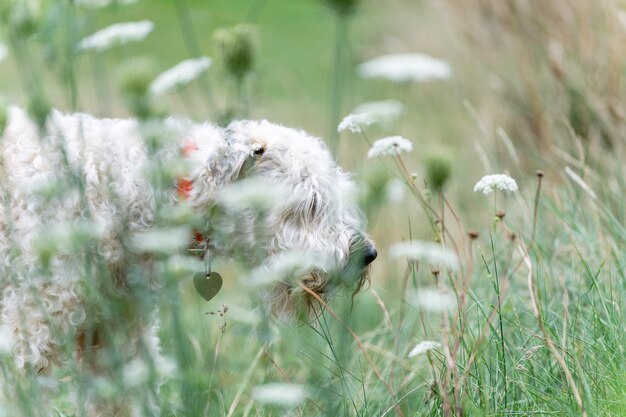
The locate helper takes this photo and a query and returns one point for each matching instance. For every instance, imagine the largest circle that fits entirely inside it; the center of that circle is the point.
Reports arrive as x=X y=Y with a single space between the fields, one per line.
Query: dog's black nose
x=370 y=255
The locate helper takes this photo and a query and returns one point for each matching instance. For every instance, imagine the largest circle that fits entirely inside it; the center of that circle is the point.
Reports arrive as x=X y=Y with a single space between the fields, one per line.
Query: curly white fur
x=48 y=307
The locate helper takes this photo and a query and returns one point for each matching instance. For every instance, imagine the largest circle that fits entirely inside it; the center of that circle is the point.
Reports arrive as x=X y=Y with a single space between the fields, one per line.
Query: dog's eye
x=259 y=152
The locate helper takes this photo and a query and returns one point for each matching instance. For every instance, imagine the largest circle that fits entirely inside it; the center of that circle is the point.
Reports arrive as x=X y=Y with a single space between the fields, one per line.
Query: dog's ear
x=218 y=160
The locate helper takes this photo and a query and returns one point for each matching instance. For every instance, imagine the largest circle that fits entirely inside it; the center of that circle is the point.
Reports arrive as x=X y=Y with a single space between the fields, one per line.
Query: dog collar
x=184 y=186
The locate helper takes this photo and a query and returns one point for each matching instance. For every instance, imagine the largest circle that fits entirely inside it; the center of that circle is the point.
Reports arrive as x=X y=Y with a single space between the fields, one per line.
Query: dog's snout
x=370 y=254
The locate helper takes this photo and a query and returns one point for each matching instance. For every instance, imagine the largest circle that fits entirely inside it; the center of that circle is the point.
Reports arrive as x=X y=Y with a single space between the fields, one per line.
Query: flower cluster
x=280 y=394
x=434 y=300
x=489 y=183
x=385 y=112
x=182 y=73
x=367 y=114
x=96 y=4
x=356 y=122
x=393 y=145
x=251 y=194
x=403 y=68
x=430 y=253
x=423 y=347
x=117 y=34
x=287 y=265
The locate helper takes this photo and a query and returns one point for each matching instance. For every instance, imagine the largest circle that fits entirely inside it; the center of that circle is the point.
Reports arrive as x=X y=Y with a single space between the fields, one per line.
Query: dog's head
x=298 y=202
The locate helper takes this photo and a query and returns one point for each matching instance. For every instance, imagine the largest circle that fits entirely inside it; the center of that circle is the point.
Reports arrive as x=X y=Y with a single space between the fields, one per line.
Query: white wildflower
x=288 y=265
x=117 y=34
x=183 y=266
x=367 y=114
x=183 y=73
x=252 y=193
x=166 y=366
x=136 y=372
x=67 y=236
x=427 y=252
x=393 y=145
x=4 y=51
x=97 y=4
x=489 y=183
x=105 y=387
x=163 y=240
x=395 y=191
x=405 y=67
x=423 y=347
x=7 y=339
x=284 y=395
x=356 y=122
x=384 y=112
x=436 y=300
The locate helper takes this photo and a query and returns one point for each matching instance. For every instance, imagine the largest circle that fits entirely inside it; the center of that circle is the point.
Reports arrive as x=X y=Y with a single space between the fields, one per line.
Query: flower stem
x=337 y=86
x=193 y=48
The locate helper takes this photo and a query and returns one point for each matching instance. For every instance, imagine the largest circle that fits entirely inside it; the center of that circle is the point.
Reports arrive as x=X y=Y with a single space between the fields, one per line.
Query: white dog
x=97 y=169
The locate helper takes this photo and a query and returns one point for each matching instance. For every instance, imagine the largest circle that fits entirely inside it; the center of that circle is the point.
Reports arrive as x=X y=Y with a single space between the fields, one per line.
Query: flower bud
x=21 y=17
x=134 y=78
x=343 y=7
x=438 y=169
x=4 y=117
x=238 y=49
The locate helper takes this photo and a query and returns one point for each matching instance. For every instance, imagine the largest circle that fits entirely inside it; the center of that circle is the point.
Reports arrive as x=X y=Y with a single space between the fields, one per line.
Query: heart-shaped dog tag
x=207 y=286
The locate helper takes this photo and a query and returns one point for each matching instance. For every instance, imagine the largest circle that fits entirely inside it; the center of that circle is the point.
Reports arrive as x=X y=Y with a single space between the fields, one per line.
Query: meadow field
x=491 y=296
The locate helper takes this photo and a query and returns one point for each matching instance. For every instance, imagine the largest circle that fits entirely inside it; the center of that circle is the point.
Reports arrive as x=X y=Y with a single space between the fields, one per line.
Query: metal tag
x=207 y=286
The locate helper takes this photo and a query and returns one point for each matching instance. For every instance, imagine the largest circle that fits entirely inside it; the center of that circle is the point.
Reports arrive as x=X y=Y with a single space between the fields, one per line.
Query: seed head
x=500 y=214
x=473 y=234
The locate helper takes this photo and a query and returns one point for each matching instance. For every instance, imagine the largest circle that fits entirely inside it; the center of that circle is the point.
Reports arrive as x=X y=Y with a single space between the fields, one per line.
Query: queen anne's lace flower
x=393 y=145
x=251 y=194
x=182 y=73
x=384 y=112
x=405 y=67
x=366 y=114
x=356 y=122
x=284 y=395
x=117 y=34
x=434 y=300
x=427 y=252
x=96 y=4
x=489 y=183
x=423 y=347
x=289 y=265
